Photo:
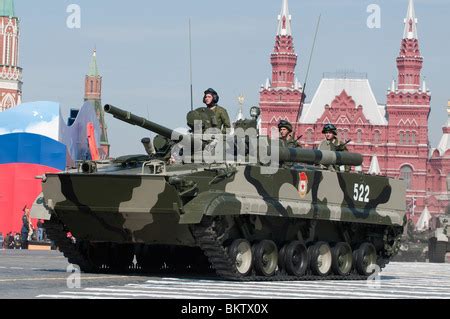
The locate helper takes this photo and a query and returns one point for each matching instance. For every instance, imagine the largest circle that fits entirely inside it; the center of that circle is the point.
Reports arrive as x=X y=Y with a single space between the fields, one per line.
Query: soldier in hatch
x=211 y=99
x=332 y=143
x=285 y=129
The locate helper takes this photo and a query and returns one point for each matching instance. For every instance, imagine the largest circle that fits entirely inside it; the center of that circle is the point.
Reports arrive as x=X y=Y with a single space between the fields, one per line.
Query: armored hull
x=300 y=222
x=225 y=214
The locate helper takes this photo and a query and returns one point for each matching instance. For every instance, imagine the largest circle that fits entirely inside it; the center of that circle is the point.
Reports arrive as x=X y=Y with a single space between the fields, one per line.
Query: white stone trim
x=8 y=85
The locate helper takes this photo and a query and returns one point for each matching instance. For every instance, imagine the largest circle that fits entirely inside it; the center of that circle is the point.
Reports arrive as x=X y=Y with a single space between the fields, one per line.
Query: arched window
x=359 y=136
x=406 y=174
x=401 y=137
x=376 y=137
x=8 y=102
x=92 y=86
x=345 y=135
x=407 y=138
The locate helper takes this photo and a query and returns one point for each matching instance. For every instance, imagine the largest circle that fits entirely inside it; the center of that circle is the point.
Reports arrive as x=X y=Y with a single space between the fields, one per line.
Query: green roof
x=93 y=68
x=7 y=8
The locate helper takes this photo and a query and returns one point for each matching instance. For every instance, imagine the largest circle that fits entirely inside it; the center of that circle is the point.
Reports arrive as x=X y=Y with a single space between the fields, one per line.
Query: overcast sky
x=143 y=52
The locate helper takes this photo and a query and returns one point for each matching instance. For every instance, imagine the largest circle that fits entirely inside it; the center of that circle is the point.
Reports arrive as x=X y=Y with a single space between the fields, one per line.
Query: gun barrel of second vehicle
x=130 y=118
x=320 y=157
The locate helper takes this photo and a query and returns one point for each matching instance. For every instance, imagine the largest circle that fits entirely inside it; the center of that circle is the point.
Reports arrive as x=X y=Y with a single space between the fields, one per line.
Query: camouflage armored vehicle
x=439 y=243
x=236 y=218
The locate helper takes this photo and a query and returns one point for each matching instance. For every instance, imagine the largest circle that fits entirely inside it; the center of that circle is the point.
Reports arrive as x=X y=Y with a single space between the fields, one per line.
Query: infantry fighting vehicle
x=240 y=219
x=439 y=243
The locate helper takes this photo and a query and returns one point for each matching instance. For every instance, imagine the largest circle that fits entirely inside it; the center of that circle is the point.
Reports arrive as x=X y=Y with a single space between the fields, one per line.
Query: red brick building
x=393 y=138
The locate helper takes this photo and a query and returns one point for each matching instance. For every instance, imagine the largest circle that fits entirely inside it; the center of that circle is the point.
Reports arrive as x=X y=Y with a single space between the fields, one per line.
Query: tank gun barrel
x=319 y=157
x=130 y=118
x=285 y=154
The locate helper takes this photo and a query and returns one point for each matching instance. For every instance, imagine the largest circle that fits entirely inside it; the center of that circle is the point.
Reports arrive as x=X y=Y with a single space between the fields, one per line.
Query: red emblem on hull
x=303 y=184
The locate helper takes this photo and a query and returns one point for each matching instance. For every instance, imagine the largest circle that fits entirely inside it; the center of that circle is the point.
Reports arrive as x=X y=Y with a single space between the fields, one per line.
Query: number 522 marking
x=361 y=193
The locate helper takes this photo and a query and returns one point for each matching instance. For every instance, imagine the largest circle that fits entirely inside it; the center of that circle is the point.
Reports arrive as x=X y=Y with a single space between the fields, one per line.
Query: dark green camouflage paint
x=124 y=205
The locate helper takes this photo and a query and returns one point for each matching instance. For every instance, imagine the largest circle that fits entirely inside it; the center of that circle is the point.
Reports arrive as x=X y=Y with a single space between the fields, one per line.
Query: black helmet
x=329 y=128
x=285 y=124
x=214 y=95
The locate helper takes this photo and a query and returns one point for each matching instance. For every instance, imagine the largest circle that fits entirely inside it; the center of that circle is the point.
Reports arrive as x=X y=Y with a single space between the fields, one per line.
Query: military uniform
x=332 y=145
x=336 y=146
x=290 y=142
x=223 y=120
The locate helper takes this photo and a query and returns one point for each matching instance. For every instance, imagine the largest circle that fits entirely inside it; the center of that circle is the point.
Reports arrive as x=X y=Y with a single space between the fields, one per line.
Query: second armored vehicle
x=439 y=243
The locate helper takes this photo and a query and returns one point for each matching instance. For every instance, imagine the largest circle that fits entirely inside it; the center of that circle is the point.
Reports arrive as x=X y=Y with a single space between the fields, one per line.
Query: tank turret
x=293 y=155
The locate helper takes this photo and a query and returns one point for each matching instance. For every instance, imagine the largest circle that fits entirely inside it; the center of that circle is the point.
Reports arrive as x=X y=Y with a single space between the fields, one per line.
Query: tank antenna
x=307 y=74
x=190 y=64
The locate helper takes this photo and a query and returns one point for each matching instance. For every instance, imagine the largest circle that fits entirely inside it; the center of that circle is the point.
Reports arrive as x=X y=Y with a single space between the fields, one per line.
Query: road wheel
x=366 y=259
x=342 y=259
x=296 y=258
x=265 y=257
x=320 y=258
x=281 y=257
x=240 y=252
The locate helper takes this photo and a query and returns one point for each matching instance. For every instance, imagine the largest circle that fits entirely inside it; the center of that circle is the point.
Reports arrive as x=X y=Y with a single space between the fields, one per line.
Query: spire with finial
x=410 y=23
x=284 y=20
x=93 y=68
x=284 y=58
x=93 y=88
x=93 y=93
x=282 y=93
x=410 y=61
